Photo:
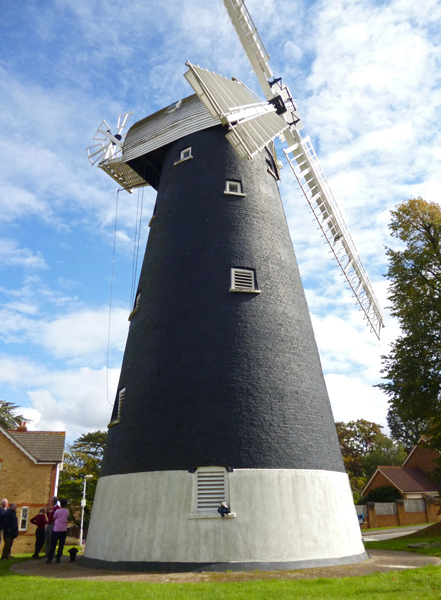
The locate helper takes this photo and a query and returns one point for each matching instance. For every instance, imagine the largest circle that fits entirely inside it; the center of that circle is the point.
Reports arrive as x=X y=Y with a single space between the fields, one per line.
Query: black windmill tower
x=222 y=397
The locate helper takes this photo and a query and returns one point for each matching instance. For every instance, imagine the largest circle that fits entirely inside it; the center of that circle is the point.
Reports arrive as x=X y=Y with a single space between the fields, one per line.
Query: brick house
x=413 y=478
x=420 y=495
x=30 y=464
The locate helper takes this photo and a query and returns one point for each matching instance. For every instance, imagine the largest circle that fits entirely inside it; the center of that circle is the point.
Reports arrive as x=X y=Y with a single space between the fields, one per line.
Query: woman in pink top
x=59 y=531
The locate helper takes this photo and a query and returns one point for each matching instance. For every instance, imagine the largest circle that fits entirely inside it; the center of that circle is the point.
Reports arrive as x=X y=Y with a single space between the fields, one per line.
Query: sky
x=366 y=77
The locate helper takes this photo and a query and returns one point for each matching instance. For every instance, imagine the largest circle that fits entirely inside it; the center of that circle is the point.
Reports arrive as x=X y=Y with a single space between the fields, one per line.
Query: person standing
x=10 y=530
x=40 y=521
x=50 y=511
x=3 y=508
x=59 y=532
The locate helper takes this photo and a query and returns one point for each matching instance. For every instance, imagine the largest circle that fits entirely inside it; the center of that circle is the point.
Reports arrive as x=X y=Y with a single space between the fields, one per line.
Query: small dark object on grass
x=73 y=554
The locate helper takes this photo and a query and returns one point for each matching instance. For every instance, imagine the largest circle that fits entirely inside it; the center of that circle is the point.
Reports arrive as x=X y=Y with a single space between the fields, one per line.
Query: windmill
x=221 y=400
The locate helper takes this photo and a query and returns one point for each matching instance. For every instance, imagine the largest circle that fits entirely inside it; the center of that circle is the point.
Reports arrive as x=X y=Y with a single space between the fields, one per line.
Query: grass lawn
x=415 y=584
x=431 y=535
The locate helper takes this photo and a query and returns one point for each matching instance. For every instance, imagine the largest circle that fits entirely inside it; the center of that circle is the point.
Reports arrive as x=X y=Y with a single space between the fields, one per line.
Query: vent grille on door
x=210 y=489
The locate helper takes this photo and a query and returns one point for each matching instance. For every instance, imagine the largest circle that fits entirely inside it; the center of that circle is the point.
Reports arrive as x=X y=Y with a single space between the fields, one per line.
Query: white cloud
x=83 y=334
x=72 y=400
x=11 y=255
x=351 y=399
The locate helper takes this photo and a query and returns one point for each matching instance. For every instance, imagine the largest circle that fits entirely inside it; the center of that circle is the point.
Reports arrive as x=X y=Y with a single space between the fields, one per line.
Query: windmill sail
x=253 y=124
x=309 y=173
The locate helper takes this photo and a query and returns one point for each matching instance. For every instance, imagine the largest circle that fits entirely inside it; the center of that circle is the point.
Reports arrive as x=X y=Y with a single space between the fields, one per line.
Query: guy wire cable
x=139 y=239
x=111 y=293
x=133 y=283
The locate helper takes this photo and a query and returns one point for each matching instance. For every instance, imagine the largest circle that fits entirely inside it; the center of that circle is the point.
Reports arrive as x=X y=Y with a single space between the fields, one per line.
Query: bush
x=385 y=493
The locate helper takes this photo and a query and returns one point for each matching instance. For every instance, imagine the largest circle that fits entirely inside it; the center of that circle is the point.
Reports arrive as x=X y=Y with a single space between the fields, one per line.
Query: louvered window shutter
x=210 y=489
x=242 y=280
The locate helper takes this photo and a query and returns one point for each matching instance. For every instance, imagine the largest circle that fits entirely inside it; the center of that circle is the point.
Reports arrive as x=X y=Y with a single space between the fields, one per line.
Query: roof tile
x=45 y=446
x=409 y=479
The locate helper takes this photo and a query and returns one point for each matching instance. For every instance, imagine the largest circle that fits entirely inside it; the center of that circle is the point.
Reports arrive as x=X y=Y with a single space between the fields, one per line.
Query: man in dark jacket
x=10 y=530
x=3 y=507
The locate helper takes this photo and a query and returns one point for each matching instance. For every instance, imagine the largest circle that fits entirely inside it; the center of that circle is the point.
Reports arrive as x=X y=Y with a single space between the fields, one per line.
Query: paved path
x=389 y=534
x=379 y=561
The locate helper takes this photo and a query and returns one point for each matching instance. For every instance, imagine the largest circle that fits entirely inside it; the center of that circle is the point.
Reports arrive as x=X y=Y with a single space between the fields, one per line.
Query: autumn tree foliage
x=364 y=447
x=412 y=369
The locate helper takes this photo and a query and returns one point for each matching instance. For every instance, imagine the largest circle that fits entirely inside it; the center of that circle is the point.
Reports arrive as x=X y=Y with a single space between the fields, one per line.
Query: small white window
x=24 y=518
x=121 y=397
x=184 y=155
x=117 y=407
x=243 y=280
x=234 y=188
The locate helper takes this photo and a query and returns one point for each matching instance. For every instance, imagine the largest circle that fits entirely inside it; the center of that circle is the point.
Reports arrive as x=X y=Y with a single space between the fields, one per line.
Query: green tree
x=81 y=458
x=412 y=369
x=407 y=432
x=364 y=447
x=356 y=440
x=384 y=451
x=8 y=419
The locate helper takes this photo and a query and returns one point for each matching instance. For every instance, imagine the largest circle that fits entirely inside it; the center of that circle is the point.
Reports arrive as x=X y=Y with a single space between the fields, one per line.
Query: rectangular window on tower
x=184 y=155
x=234 y=188
x=116 y=413
x=210 y=490
x=243 y=280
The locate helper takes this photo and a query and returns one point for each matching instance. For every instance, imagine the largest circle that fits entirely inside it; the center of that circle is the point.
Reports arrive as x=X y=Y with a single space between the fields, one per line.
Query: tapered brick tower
x=221 y=396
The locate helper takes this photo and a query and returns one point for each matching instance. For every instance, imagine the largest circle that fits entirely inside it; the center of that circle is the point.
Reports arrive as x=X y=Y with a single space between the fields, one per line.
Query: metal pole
x=83 y=504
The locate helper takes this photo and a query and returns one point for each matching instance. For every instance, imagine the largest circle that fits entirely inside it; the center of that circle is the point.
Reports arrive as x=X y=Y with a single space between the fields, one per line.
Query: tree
x=8 y=419
x=384 y=451
x=412 y=369
x=356 y=439
x=407 y=432
x=364 y=447
x=81 y=458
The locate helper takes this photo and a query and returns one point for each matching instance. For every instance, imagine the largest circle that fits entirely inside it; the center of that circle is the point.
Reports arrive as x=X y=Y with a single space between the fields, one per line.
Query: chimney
x=22 y=426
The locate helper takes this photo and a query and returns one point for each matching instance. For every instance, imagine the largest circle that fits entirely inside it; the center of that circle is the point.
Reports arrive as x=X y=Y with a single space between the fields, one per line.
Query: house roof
x=409 y=480
x=423 y=440
x=44 y=446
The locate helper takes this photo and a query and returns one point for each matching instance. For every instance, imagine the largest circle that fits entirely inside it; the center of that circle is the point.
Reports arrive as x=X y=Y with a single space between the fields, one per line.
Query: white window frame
x=184 y=155
x=233 y=188
x=25 y=510
x=238 y=272
x=121 y=397
x=197 y=512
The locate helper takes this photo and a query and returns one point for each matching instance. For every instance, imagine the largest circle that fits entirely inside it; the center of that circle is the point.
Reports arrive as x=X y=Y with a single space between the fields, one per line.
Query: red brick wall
x=424 y=459
x=379 y=481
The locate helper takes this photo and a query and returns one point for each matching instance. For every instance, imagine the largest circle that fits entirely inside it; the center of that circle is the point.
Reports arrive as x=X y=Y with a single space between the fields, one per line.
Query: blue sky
x=366 y=76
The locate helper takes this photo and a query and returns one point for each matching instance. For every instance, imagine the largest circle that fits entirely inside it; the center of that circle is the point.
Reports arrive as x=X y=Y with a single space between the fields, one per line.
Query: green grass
x=415 y=584
x=395 y=527
x=431 y=535
x=400 y=544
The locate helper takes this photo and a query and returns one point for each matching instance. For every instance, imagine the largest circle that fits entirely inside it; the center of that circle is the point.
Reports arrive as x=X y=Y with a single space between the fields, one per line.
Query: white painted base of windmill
x=283 y=519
